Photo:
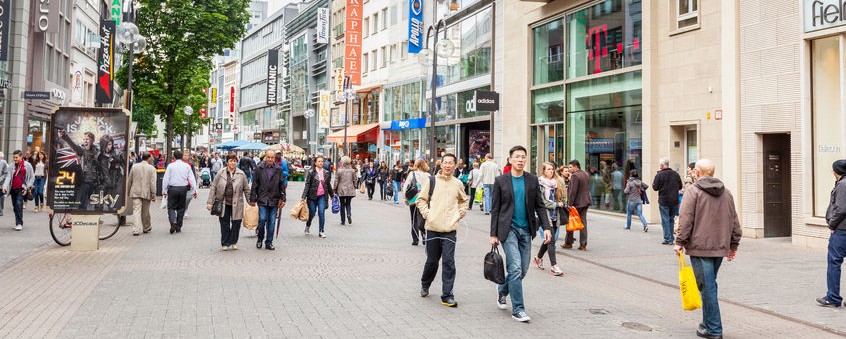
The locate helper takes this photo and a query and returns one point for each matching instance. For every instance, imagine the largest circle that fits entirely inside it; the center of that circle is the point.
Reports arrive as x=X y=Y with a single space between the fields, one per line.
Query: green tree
x=182 y=36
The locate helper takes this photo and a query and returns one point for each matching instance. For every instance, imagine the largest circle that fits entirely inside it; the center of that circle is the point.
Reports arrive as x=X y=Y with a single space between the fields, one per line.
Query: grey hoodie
x=708 y=222
x=835 y=216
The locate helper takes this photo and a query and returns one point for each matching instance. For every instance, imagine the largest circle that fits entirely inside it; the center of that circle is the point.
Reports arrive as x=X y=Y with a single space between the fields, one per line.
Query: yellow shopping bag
x=691 y=299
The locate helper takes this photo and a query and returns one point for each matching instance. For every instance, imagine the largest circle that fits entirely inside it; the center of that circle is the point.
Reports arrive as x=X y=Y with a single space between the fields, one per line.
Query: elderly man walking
x=142 y=191
x=487 y=174
x=835 y=217
x=177 y=184
x=708 y=231
x=668 y=184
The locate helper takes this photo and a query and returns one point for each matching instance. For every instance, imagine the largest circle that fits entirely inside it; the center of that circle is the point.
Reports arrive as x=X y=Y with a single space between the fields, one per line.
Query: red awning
x=356 y=133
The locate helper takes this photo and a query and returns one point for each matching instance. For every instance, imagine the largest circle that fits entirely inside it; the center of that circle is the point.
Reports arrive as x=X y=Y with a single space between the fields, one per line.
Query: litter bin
x=159 y=179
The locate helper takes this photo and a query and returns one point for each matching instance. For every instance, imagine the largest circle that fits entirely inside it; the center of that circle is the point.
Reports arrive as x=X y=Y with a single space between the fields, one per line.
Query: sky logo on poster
x=96 y=125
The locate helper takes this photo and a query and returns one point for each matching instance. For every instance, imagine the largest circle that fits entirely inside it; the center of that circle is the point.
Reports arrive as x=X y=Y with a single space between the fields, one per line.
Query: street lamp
x=349 y=95
x=131 y=41
x=308 y=114
x=188 y=111
x=444 y=49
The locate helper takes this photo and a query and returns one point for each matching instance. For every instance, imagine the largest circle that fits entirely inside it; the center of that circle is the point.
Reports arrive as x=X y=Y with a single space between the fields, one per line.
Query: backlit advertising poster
x=88 y=160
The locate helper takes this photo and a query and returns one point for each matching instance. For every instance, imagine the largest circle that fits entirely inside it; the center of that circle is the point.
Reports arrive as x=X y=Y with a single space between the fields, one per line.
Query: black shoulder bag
x=494 y=266
x=412 y=189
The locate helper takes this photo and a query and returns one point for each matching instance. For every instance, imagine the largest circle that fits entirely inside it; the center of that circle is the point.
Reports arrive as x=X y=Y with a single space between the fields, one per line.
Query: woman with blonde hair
x=419 y=174
x=345 y=188
x=554 y=203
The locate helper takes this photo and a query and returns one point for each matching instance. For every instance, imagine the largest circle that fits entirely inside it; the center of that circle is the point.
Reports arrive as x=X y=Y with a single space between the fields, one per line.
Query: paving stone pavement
x=363 y=281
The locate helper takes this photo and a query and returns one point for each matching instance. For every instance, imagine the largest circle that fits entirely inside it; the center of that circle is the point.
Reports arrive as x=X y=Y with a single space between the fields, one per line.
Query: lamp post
x=188 y=111
x=429 y=57
x=131 y=41
x=349 y=95
x=308 y=114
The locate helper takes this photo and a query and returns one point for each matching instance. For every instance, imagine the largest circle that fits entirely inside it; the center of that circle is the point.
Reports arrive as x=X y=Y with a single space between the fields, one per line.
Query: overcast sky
x=275 y=5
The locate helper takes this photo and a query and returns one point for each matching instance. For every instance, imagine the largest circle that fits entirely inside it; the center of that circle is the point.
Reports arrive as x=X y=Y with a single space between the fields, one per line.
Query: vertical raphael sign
x=117 y=12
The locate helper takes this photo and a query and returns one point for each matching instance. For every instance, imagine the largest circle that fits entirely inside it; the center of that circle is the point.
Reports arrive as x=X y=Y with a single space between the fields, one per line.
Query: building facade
x=307 y=62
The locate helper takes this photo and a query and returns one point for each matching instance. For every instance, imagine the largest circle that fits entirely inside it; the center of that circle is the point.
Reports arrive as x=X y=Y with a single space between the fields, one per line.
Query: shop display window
x=604 y=37
x=826 y=73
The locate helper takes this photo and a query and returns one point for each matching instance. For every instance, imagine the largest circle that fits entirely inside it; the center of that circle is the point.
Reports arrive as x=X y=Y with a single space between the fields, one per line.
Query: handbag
x=412 y=189
x=691 y=299
x=298 y=209
x=643 y=197
x=575 y=221
x=336 y=204
x=494 y=266
x=389 y=190
x=217 y=208
x=361 y=188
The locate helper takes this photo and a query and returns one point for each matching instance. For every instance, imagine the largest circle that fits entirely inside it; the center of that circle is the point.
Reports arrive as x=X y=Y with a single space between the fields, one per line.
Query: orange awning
x=355 y=133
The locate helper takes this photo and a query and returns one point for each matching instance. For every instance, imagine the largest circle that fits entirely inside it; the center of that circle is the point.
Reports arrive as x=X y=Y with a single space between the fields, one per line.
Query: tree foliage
x=182 y=36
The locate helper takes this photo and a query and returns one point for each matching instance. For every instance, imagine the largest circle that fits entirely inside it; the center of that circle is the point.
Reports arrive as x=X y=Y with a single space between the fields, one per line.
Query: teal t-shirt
x=520 y=217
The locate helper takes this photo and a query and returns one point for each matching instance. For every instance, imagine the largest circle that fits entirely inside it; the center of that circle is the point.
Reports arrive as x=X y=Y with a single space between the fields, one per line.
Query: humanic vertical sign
x=352 y=40
x=272 y=70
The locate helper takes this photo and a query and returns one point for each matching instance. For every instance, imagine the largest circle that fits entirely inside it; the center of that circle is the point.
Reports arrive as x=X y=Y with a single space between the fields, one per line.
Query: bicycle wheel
x=60 y=228
x=107 y=231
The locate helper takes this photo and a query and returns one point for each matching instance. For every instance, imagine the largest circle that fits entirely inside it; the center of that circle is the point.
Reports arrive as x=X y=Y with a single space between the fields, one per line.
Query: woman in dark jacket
x=383 y=179
x=317 y=192
x=370 y=174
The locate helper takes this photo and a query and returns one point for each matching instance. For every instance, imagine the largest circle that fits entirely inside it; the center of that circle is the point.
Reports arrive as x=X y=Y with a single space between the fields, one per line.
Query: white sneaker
x=521 y=317
x=18 y=227
x=322 y=235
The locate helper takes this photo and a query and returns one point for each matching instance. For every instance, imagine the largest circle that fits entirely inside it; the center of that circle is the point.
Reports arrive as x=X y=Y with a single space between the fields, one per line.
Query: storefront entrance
x=777 y=206
x=475 y=141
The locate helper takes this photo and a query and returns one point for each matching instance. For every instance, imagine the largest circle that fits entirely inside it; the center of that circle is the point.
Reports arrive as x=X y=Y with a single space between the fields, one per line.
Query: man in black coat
x=517 y=200
x=268 y=190
x=578 y=196
x=668 y=184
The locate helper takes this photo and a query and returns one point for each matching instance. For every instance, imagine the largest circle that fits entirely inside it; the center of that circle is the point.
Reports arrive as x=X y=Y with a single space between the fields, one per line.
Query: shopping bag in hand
x=251 y=217
x=494 y=266
x=336 y=204
x=691 y=299
x=575 y=223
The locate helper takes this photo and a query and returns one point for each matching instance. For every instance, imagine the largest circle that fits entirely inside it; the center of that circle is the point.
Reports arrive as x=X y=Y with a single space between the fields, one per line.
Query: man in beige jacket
x=443 y=211
x=142 y=191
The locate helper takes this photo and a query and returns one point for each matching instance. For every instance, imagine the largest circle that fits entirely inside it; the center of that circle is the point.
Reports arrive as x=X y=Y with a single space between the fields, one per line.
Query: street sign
x=33 y=95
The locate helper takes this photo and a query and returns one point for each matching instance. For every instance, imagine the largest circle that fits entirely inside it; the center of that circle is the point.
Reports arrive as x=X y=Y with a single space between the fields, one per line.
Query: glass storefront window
x=402 y=102
x=604 y=37
x=549 y=52
x=445 y=139
x=604 y=133
x=472 y=39
x=827 y=120
x=548 y=104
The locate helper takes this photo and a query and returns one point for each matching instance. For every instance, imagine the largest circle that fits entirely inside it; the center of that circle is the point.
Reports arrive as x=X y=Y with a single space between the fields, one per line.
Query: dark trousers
x=176 y=203
x=836 y=253
x=440 y=247
x=382 y=191
x=371 y=187
x=346 y=210
x=38 y=191
x=416 y=233
x=229 y=229
x=17 y=205
x=583 y=233
x=550 y=247
x=472 y=197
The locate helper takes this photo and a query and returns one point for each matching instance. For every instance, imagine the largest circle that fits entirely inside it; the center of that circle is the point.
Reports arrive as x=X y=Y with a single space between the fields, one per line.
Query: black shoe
x=349 y=220
x=172 y=228
x=258 y=243
x=449 y=302
x=270 y=247
x=500 y=302
x=826 y=303
x=701 y=332
x=665 y=243
x=424 y=292
x=178 y=229
x=414 y=243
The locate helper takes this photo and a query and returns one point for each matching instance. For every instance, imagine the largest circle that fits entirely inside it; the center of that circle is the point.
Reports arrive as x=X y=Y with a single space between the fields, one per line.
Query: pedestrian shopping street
x=364 y=279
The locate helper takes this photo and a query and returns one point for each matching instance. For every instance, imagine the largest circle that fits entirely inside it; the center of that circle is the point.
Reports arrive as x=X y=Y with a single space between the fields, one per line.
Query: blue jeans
x=836 y=252
x=634 y=207
x=668 y=220
x=318 y=206
x=518 y=251
x=487 y=195
x=38 y=191
x=705 y=269
x=397 y=185
x=267 y=216
x=17 y=205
